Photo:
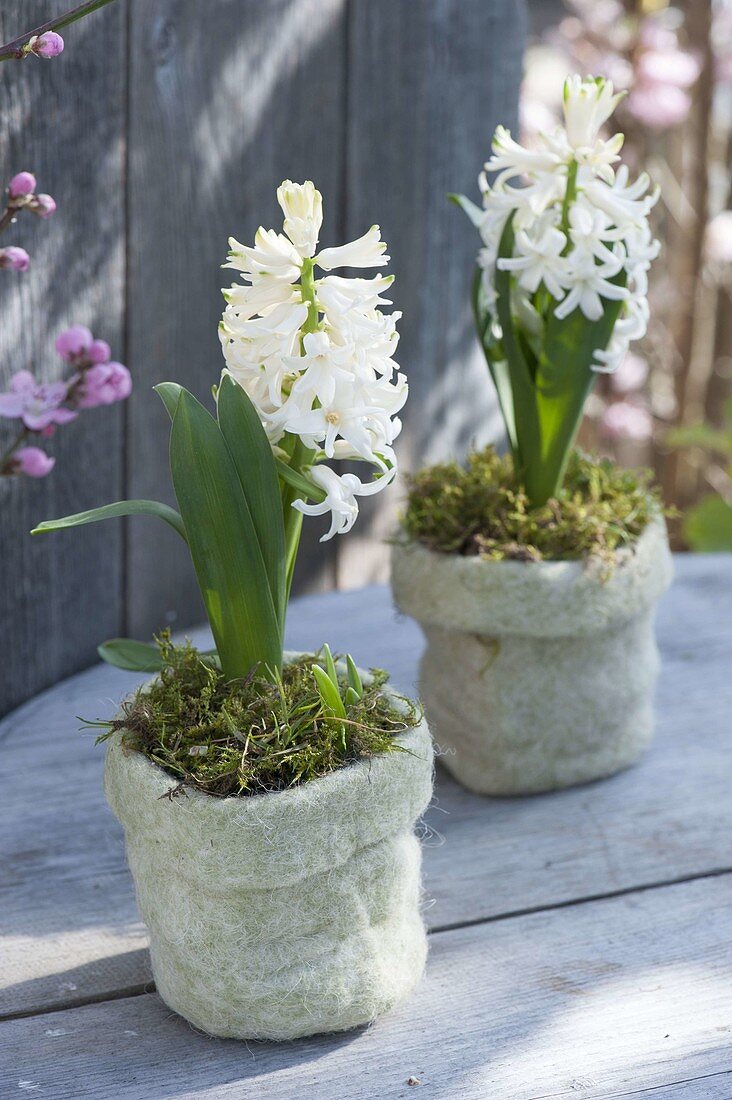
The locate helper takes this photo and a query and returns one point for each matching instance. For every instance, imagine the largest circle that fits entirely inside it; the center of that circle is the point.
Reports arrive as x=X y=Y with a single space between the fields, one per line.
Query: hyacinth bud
x=21 y=185
x=14 y=258
x=42 y=205
x=46 y=45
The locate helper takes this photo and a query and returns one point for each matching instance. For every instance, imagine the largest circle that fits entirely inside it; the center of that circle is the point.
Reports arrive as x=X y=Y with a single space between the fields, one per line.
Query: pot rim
x=537 y=599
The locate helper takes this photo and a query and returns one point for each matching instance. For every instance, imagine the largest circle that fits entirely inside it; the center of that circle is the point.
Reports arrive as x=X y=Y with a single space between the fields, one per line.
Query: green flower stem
x=569 y=196
x=307 y=289
x=14 y=50
x=300 y=455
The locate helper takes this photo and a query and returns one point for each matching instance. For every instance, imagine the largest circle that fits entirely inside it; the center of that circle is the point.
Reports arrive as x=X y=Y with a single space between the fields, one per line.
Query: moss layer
x=241 y=737
x=480 y=509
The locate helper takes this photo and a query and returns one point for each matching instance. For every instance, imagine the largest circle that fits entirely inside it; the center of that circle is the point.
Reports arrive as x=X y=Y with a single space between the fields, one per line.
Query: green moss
x=241 y=737
x=480 y=509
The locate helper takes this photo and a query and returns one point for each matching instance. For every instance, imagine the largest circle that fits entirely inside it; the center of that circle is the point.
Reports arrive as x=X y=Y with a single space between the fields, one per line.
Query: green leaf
x=110 y=511
x=329 y=692
x=169 y=393
x=252 y=454
x=223 y=542
x=306 y=488
x=495 y=357
x=330 y=667
x=128 y=654
x=563 y=381
x=516 y=386
x=708 y=525
x=354 y=677
x=474 y=212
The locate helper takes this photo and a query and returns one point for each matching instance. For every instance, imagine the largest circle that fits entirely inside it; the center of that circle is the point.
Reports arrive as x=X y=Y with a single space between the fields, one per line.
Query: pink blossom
x=659 y=106
x=73 y=342
x=626 y=420
x=718 y=238
x=104 y=384
x=676 y=67
x=32 y=461
x=630 y=375
x=99 y=351
x=655 y=36
x=47 y=45
x=42 y=205
x=37 y=404
x=14 y=258
x=24 y=183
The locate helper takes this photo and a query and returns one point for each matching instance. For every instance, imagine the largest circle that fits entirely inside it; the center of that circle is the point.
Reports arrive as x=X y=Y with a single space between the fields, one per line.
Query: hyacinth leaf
x=328 y=692
x=169 y=392
x=133 y=656
x=223 y=542
x=473 y=211
x=523 y=425
x=354 y=677
x=564 y=379
x=330 y=667
x=304 y=486
x=495 y=357
x=111 y=511
x=252 y=454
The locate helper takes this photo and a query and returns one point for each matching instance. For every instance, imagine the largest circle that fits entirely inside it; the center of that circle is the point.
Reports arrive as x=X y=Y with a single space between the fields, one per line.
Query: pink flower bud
x=33 y=462
x=104 y=384
x=42 y=205
x=73 y=341
x=21 y=185
x=14 y=258
x=99 y=351
x=47 y=45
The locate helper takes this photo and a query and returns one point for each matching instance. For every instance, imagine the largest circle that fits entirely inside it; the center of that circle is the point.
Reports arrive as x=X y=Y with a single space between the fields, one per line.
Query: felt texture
x=280 y=915
x=536 y=675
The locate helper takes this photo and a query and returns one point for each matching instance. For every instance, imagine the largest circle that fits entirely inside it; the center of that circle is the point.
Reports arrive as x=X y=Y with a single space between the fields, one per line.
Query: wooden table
x=580 y=941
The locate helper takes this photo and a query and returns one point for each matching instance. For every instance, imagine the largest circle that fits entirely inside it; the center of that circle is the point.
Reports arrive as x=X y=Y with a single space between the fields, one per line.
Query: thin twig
x=14 y=50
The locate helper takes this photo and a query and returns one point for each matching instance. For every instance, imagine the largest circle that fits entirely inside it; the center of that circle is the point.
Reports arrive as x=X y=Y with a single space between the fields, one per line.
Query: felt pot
x=280 y=915
x=536 y=675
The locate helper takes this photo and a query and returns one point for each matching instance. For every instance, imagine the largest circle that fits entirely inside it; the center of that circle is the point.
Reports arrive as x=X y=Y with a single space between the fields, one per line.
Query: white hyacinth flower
x=341 y=492
x=302 y=206
x=587 y=104
x=315 y=354
x=580 y=228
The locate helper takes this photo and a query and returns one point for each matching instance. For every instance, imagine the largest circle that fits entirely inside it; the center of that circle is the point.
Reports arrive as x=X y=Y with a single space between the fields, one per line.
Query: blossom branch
x=17 y=48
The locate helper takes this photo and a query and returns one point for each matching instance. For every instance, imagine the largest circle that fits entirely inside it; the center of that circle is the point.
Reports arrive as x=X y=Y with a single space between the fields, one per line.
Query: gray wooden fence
x=163 y=129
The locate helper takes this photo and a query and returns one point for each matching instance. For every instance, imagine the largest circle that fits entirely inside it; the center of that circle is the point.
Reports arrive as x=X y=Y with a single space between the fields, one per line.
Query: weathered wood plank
x=623 y=997
x=227 y=100
x=61 y=593
x=669 y=818
x=428 y=84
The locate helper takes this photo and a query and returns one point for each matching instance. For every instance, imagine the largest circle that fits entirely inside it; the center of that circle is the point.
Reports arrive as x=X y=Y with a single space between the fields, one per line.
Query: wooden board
x=60 y=593
x=66 y=900
x=625 y=997
x=224 y=105
x=428 y=84
x=387 y=106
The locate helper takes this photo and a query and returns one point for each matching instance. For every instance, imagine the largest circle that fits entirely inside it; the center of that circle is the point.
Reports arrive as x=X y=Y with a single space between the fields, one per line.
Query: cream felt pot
x=280 y=915
x=536 y=675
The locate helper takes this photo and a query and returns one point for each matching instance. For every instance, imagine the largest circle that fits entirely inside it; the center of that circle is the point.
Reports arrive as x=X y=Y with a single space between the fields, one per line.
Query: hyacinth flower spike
x=560 y=287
